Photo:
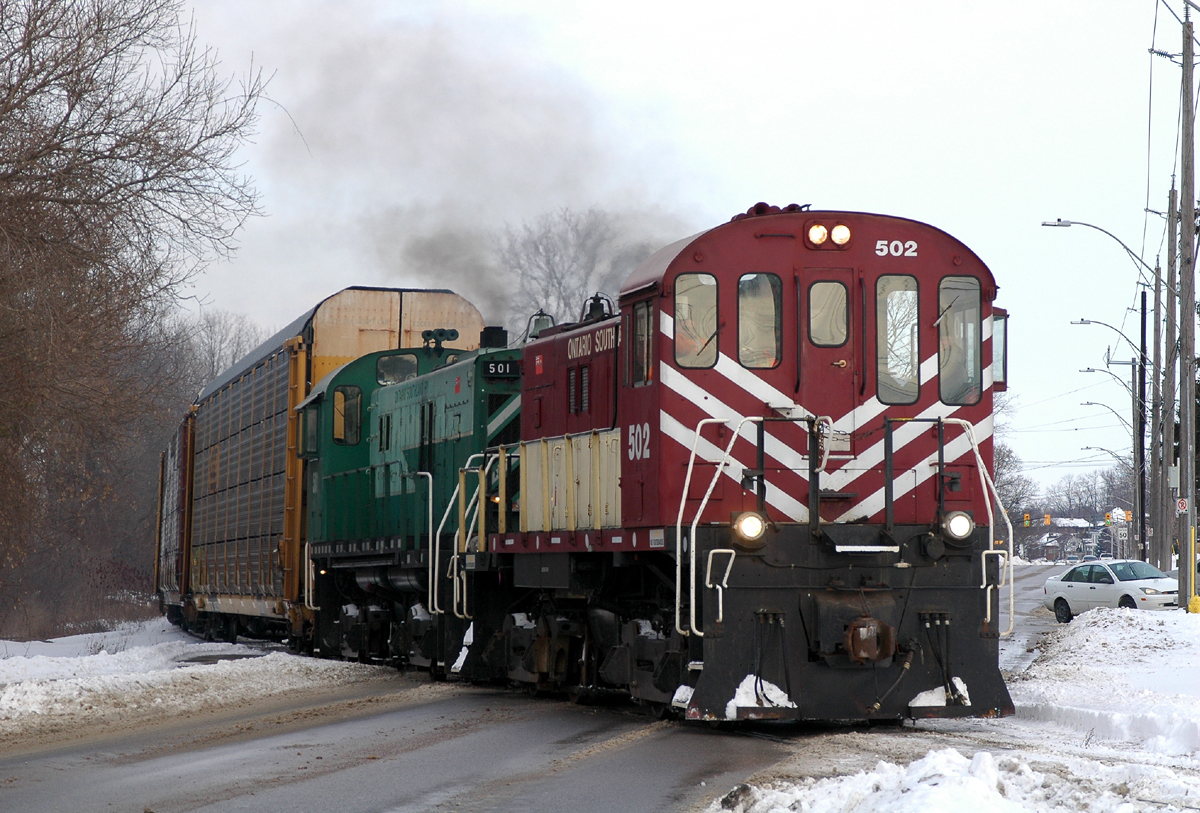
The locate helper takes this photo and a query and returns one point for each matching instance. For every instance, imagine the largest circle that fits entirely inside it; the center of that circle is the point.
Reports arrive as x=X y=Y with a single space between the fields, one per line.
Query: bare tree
x=563 y=257
x=117 y=182
x=1017 y=492
x=219 y=339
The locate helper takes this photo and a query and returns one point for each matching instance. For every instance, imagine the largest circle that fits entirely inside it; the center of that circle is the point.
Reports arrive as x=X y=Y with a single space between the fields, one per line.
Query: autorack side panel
x=173 y=519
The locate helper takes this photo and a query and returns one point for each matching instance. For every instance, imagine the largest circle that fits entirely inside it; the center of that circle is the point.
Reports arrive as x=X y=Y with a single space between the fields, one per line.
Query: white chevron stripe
x=957 y=448
x=863 y=463
x=706 y=451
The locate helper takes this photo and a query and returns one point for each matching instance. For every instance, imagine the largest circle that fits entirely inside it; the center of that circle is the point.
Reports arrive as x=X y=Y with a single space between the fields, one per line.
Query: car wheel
x=1127 y=602
x=1062 y=611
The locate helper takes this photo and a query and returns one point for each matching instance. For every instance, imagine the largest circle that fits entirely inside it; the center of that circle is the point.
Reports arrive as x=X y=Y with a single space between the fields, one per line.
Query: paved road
x=1032 y=618
x=403 y=744
x=467 y=750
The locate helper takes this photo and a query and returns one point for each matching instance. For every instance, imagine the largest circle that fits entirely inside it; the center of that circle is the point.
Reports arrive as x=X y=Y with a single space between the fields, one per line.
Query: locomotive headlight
x=817 y=234
x=749 y=526
x=958 y=525
x=841 y=234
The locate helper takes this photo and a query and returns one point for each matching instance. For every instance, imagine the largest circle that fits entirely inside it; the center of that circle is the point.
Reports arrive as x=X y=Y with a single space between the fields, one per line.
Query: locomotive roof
x=653 y=269
x=293 y=329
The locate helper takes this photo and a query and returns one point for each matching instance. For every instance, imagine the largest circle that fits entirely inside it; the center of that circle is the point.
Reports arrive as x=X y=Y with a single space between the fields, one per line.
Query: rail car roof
x=295 y=328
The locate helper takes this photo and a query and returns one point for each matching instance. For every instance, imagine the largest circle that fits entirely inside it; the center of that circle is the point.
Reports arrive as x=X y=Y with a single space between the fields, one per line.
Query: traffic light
x=1046 y=520
x=1108 y=519
x=1129 y=516
x=1027 y=520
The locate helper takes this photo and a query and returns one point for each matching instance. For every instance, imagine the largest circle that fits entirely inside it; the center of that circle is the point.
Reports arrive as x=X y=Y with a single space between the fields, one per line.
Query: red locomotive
x=761 y=489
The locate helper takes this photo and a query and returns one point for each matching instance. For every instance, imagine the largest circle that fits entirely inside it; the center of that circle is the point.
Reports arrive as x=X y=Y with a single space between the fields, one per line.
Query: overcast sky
x=449 y=119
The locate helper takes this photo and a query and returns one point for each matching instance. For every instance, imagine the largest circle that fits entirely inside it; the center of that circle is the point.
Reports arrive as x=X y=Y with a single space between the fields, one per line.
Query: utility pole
x=1140 y=449
x=1157 y=523
x=1187 y=319
x=1170 y=515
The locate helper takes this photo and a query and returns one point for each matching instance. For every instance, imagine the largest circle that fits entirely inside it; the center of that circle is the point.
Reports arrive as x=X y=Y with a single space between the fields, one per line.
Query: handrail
x=699 y=511
x=434 y=606
x=310 y=577
x=720 y=588
x=687 y=481
x=473 y=509
x=989 y=487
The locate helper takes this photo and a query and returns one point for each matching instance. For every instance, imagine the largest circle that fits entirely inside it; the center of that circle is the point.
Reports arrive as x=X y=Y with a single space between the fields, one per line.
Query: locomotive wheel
x=1062 y=611
x=1127 y=602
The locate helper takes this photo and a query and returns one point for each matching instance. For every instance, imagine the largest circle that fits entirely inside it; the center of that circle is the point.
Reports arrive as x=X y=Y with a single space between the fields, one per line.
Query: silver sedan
x=1116 y=583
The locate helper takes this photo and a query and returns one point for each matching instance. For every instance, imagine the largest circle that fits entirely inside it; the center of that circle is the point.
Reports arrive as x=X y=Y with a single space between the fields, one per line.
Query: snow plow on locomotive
x=755 y=487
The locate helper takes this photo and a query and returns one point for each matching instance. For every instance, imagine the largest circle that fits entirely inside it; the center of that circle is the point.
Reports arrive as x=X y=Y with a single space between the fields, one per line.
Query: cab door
x=830 y=346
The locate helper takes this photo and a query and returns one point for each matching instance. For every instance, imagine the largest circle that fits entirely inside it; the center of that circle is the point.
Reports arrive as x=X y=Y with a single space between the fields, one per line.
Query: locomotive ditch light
x=817 y=234
x=841 y=234
x=750 y=526
x=958 y=525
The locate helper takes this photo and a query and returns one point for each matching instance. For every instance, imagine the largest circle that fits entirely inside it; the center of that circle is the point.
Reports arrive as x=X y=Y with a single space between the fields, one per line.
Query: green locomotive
x=386 y=437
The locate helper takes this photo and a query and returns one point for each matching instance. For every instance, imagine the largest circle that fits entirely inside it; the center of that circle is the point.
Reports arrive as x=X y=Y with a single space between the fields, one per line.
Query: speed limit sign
x=1181 y=505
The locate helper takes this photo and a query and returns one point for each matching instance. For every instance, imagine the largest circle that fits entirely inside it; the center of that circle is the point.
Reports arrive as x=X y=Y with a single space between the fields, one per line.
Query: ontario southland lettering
x=589 y=343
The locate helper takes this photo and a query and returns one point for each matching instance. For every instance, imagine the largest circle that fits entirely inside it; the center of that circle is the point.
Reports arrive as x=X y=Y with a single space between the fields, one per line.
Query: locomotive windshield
x=958 y=323
x=394 y=369
x=696 y=320
x=896 y=328
x=760 y=341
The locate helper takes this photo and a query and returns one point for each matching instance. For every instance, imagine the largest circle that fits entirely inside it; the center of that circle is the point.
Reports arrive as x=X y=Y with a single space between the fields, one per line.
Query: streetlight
x=1140 y=448
x=1060 y=223
x=1140 y=351
x=1120 y=417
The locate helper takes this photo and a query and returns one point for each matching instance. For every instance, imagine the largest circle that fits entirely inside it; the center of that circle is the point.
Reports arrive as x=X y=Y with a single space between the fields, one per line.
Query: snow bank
x=947 y=782
x=57 y=682
x=1119 y=675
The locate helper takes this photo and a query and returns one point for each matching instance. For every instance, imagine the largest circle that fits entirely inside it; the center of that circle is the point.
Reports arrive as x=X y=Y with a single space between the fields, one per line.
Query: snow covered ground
x=150 y=666
x=1108 y=721
x=1108 y=716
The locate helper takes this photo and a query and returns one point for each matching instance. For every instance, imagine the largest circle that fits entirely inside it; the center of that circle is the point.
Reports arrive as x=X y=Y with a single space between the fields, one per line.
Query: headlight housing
x=749 y=526
x=817 y=234
x=1150 y=591
x=958 y=525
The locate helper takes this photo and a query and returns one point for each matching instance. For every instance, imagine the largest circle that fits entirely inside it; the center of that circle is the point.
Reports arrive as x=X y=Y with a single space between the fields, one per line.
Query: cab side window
x=641 y=345
x=347 y=415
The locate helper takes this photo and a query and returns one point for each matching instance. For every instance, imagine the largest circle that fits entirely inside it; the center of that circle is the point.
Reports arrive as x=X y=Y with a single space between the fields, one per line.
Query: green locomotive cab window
x=760 y=321
x=897 y=371
x=312 y=423
x=696 y=320
x=347 y=415
x=394 y=369
x=959 y=325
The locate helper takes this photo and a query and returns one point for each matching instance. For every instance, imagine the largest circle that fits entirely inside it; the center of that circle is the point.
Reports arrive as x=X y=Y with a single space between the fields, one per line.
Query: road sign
x=1181 y=505
x=1122 y=534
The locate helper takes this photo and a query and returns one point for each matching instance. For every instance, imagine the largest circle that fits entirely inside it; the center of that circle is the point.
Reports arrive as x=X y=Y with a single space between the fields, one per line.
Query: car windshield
x=1132 y=571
